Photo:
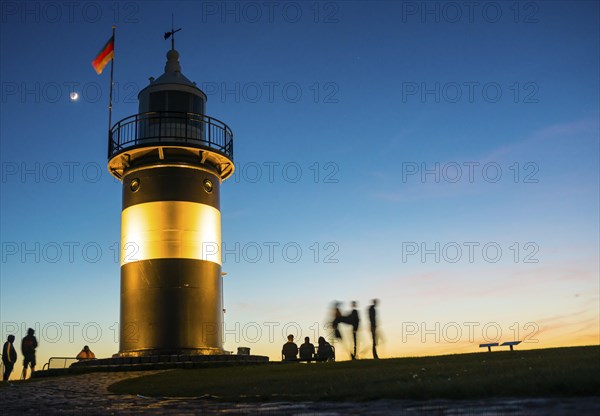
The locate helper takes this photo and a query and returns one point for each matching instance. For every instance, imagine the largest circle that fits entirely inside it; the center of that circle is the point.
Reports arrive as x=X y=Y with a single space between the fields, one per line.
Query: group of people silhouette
x=290 y=350
x=9 y=354
x=28 y=346
x=326 y=351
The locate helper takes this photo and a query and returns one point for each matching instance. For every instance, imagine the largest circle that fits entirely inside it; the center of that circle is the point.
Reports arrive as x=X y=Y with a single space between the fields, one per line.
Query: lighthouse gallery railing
x=168 y=128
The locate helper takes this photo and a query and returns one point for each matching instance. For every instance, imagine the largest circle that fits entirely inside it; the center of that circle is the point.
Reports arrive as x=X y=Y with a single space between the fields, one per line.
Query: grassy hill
x=571 y=371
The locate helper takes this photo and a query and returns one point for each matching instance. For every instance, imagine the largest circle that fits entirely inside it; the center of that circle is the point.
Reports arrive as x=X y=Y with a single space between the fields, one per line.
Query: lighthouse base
x=156 y=362
x=170 y=352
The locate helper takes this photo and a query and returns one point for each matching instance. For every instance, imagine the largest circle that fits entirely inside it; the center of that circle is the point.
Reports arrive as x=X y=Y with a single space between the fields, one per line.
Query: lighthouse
x=171 y=159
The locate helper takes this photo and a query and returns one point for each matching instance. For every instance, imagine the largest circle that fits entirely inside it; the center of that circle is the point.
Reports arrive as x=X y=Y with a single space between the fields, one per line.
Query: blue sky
x=357 y=95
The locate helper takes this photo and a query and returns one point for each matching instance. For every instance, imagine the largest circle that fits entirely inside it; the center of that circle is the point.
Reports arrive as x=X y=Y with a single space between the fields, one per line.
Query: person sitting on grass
x=325 y=351
x=86 y=354
x=307 y=350
x=290 y=350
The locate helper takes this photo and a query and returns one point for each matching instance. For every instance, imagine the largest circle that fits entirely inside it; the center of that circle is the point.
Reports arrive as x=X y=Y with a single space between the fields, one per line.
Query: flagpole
x=112 y=61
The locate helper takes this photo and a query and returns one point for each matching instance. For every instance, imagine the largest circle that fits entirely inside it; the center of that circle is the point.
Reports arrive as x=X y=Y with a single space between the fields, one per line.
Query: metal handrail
x=48 y=365
x=170 y=128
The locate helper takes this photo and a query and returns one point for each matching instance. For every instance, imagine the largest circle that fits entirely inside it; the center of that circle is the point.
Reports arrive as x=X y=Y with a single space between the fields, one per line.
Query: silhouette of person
x=353 y=319
x=28 y=346
x=373 y=321
x=290 y=349
x=337 y=318
x=9 y=356
x=86 y=354
x=307 y=350
x=325 y=352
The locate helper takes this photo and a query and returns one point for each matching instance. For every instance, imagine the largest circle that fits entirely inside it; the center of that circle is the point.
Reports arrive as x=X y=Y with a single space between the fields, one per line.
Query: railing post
x=118 y=135
x=135 y=140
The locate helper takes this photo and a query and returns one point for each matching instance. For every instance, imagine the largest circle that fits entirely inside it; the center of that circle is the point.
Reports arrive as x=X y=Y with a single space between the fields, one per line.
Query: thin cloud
x=546 y=137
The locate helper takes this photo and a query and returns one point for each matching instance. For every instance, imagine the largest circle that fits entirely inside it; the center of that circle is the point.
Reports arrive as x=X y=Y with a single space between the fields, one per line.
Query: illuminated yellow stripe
x=170 y=229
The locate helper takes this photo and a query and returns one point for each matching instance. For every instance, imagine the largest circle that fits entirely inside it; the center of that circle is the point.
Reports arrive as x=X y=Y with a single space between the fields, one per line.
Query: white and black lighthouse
x=171 y=159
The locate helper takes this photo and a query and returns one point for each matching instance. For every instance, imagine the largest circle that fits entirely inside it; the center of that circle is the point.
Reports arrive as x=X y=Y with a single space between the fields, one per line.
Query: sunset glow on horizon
x=448 y=167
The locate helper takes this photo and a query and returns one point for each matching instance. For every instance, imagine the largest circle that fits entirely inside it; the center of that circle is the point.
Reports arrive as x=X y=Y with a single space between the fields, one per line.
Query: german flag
x=106 y=54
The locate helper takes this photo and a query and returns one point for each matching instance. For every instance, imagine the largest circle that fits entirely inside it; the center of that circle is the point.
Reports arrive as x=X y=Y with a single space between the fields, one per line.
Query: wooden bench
x=489 y=345
x=510 y=344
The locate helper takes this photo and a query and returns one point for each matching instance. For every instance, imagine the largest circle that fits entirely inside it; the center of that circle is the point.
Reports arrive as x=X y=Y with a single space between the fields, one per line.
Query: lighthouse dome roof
x=172 y=74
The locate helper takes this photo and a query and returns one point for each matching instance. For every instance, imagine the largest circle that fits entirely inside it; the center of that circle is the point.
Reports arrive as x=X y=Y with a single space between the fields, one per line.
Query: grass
x=571 y=371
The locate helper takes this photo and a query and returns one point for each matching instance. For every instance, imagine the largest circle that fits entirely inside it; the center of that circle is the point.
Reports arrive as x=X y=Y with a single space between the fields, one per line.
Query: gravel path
x=87 y=394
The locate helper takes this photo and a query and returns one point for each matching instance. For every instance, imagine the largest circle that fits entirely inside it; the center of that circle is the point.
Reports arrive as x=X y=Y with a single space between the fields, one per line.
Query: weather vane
x=171 y=34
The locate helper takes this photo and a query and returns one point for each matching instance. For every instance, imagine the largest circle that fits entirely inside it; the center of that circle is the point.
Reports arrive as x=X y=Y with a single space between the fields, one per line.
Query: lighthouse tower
x=171 y=159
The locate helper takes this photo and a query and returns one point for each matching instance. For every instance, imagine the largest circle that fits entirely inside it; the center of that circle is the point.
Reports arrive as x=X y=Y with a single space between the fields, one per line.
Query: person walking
x=354 y=320
x=337 y=319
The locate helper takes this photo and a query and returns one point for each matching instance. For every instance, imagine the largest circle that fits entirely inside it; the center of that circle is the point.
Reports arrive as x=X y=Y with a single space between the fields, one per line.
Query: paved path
x=87 y=394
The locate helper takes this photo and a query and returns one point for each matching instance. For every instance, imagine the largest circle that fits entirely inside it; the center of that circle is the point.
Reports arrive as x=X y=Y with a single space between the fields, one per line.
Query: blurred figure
x=325 y=351
x=9 y=356
x=86 y=354
x=373 y=321
x=290 y=349
x=353 y=319
x=28 y=346
x=307 y=350
x=337 y=318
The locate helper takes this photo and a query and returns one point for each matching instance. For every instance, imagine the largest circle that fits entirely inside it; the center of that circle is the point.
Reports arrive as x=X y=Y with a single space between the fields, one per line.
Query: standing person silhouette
x=373 y=321
x=9 y=357
x=354 y=320
x=28 y=346
x=337 y=318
